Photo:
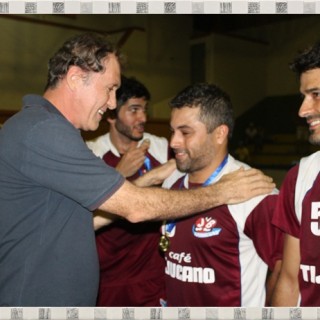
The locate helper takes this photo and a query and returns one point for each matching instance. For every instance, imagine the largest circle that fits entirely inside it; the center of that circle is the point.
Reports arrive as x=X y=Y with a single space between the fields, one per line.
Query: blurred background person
x=131 y=266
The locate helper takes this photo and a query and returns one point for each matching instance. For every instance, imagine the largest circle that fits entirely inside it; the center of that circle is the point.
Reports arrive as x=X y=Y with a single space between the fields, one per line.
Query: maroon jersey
x=297 y=213
x=131 y=266
x=220 y=257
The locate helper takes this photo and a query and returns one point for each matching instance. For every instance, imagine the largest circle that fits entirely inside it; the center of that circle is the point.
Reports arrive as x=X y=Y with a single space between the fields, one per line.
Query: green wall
x=248 y=63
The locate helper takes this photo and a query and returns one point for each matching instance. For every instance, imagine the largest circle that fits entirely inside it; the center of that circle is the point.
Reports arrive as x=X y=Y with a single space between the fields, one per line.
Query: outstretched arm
x=286 y=292
x=153 y=177
x=139 y=204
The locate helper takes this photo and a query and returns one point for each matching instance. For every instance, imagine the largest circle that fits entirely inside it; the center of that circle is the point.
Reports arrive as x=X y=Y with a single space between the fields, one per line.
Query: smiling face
x=197 y=151
x=310 y=107
x=131 y=118
x=95 y=93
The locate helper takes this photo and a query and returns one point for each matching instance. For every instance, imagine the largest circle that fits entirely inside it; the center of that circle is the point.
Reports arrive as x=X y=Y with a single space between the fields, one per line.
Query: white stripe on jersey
x=252 y=287
x=309 y=168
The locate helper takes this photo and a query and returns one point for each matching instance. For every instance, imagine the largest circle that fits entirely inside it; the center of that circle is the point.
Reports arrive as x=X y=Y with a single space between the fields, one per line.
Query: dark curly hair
x=130 y=88
x=215 y=105
x=306 y=60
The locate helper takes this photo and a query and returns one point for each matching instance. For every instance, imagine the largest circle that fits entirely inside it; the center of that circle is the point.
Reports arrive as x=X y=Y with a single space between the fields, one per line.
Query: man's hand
x=157 y=175
x=133 y=159
x=242 y=185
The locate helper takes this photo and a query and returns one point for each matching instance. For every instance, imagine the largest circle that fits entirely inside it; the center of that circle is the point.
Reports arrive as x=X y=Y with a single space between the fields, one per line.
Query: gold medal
x=164 y=243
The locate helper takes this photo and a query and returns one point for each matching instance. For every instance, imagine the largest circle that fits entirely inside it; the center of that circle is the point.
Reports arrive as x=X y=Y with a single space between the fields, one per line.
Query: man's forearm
x=140 y=204
x=272 y=279
x=286 y=293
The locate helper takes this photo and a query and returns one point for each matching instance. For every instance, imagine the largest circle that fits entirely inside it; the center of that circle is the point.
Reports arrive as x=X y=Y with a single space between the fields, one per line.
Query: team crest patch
x=205 y=228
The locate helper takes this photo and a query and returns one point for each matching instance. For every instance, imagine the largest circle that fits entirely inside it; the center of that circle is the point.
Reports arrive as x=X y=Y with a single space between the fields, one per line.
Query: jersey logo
x=205 y=228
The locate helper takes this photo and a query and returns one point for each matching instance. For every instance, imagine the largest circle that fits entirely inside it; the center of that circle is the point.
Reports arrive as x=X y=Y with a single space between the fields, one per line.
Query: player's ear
x=221 y=133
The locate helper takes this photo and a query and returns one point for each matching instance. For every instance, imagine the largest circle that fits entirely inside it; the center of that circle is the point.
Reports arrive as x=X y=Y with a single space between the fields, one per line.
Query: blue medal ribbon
x=147 y=165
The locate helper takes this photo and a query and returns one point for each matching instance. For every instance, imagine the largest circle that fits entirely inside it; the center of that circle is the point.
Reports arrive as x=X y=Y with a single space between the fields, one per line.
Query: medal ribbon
x=169 y=225
x=212 y=176
x=147 y=165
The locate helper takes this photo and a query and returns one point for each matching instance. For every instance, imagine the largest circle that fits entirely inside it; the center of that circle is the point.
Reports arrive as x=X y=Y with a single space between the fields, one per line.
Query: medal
x=164 y=243
x=166 y=230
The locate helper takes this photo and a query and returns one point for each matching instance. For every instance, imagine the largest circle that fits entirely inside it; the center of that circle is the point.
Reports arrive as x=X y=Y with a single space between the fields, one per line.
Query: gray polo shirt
x=49 y=184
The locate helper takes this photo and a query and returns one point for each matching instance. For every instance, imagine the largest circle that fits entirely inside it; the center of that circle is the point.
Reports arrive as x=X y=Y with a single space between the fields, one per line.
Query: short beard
x=184 y=169
x=188 y=167
x=126 y=132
